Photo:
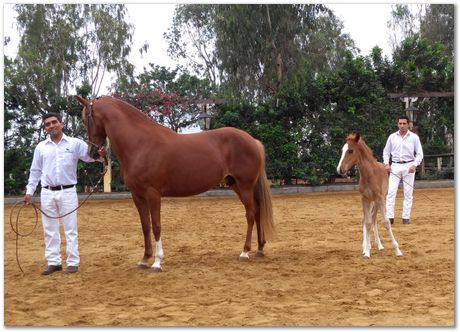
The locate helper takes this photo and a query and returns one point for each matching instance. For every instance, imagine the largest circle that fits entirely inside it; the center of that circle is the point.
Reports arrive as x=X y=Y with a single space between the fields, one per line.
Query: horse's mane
x=129 y=109
x=125 y=104
x=366 y=151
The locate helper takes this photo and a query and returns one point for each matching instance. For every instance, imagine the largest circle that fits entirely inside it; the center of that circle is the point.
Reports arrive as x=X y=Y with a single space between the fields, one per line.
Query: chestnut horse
x=158 y=162
x=373 y=186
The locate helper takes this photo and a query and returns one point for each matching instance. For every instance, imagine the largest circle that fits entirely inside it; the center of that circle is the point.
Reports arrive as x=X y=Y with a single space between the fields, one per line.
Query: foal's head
x=95 y=127
x=350 y=154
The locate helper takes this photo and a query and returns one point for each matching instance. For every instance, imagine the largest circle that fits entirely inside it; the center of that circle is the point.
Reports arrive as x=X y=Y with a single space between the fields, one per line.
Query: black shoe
x=71 y=269
x=392 y=220
x=51 y=269
x=406 y=221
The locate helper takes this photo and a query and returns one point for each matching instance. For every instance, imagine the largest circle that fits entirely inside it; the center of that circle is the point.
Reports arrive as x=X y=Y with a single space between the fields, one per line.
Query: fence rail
x=443 y=161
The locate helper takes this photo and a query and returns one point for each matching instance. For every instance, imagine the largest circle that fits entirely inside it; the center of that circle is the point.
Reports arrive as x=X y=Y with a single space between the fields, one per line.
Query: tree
x=422 y=65
x=63 y=48
x=404 y=22
x=435 y=22
x=169 y=97
x=438 y=25
x=255 y=48
x=192 y=37
x=424 y=62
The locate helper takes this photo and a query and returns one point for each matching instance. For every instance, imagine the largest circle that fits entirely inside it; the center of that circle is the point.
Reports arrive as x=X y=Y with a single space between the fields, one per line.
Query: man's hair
x=50 y=115
x=403 y=116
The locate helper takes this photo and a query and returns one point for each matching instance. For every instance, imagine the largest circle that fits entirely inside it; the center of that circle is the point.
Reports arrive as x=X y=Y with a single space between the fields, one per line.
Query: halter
x=90 y=117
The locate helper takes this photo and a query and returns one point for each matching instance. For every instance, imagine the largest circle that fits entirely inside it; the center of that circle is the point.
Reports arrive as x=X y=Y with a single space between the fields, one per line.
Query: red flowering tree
x=168 y=97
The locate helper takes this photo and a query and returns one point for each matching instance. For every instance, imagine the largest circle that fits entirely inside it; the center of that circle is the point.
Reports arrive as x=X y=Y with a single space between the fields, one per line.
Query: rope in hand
x=402 y=179
x=16 y=229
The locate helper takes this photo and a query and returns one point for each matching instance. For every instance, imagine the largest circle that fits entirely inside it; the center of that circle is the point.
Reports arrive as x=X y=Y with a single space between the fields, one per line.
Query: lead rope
x=402 y=179
x=16 y=230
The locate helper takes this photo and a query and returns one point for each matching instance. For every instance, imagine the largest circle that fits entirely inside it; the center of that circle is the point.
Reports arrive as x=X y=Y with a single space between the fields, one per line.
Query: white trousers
x=58 y=203
x=400 y=172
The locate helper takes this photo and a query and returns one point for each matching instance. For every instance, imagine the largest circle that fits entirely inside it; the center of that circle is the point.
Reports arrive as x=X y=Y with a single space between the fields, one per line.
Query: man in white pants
x=406 y=154
x=55 y=165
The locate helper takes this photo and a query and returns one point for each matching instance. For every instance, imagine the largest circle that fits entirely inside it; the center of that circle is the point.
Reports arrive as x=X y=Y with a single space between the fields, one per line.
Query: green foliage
x=62 y=48
x=169 y=97
x=438 y=25
x=288 y=74
x=421 y=65
x=250 y=50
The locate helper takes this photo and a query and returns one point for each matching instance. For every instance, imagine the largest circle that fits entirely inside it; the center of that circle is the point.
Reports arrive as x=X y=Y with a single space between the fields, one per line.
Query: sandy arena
x=313 y=275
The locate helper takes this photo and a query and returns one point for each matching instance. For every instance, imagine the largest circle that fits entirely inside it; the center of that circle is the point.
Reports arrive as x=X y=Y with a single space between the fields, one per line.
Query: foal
x=373 y=186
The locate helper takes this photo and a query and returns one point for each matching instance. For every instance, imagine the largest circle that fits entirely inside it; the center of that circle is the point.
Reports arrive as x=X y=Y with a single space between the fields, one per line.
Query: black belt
x=403 y=162
x=59 y=187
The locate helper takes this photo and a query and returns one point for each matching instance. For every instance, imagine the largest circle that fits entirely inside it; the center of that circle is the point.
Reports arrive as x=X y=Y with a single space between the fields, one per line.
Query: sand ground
x=312 y=275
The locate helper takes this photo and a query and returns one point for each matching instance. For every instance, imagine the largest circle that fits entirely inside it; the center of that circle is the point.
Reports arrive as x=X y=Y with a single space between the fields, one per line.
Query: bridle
x=90 y=118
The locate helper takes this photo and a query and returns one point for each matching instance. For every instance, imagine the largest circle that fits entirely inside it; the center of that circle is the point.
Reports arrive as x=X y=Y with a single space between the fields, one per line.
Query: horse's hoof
x=260 y=253
x=142 y=265
x=399 y=253
x=156 y=269
x=244 y=256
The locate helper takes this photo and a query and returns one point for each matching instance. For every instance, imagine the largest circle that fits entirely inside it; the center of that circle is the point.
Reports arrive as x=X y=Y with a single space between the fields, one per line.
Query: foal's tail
x=264 y=198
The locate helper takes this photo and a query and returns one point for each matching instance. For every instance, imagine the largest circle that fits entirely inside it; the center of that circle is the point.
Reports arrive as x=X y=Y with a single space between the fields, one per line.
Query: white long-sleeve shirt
x=56 y=164
x=405 y=148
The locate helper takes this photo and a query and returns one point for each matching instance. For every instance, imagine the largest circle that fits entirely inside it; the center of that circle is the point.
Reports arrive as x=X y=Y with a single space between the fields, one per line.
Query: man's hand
x=412 y=169
x=27 y=199
x=103 y=153
x=387 y=167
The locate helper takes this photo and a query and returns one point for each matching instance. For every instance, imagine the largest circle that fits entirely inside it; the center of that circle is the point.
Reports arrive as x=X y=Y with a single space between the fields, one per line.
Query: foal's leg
x=387 y=224
x=246 y=196
x=154 y=200
x=144 y=214
x=375 y=210
x=367 y=222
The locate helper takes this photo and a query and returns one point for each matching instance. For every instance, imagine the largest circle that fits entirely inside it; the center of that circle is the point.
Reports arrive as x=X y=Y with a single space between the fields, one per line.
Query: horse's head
x=94 y=125
x=349 y=154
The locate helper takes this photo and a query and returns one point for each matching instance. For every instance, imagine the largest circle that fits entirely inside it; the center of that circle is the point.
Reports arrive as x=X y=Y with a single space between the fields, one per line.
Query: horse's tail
x=263 y=197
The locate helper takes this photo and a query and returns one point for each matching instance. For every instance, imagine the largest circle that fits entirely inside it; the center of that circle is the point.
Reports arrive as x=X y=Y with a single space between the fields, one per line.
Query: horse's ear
x=82 y=101
x=357 y=137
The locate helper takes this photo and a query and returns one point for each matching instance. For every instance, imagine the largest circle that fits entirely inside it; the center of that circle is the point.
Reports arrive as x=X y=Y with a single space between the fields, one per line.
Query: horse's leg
x=260 y=241
x=367 y=222
x=246 y=196
x=387 y=224
x=144 y=214
x=154 y=200
x=375 y=210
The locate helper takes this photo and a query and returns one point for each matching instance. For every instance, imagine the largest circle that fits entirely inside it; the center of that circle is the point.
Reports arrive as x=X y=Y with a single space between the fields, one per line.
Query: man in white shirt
x=55 y=165
x=406 y=153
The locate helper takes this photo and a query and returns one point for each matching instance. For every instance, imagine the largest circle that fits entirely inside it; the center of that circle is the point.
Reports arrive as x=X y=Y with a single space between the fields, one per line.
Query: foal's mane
x=365 y=151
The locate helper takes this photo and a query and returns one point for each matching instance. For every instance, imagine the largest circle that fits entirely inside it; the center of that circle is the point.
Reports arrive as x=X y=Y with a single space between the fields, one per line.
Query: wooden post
x=108 y=174
x=439 y=163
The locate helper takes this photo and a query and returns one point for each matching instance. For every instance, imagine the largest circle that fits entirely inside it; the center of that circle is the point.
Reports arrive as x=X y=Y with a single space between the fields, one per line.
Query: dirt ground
x=313 y=275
